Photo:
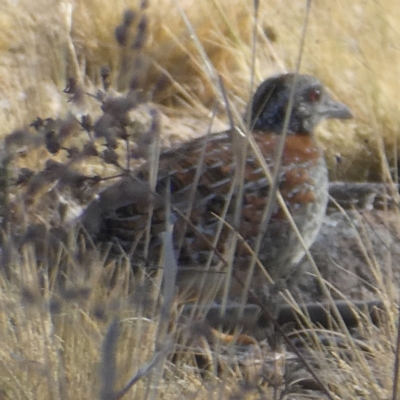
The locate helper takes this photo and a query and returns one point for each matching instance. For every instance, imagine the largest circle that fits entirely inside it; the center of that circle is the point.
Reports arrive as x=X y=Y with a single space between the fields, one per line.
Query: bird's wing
x=197 y=177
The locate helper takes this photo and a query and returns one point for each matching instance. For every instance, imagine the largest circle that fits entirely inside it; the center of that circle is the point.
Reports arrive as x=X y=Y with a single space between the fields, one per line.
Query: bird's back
x=199 y=180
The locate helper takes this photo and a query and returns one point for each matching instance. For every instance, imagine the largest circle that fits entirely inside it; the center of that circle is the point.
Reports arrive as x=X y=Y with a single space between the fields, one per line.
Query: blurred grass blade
x=108 y=372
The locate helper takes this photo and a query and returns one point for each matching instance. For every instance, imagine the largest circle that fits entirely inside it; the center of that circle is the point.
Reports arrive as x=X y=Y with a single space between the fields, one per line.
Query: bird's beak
x=334 y=109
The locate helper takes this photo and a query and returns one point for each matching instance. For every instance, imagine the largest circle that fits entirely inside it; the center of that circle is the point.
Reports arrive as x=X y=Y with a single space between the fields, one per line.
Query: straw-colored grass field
x=64 y=345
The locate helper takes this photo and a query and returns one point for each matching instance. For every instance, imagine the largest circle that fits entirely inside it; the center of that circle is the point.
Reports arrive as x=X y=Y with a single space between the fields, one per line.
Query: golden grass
x=353 y=47
x=350 y=47
x=53 y=347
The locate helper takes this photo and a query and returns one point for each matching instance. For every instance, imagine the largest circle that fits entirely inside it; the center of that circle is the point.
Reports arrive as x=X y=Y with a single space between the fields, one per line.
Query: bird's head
x=311 y=104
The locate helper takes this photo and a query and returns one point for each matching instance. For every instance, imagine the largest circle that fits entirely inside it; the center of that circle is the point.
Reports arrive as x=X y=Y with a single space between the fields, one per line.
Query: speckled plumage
x=202 y=241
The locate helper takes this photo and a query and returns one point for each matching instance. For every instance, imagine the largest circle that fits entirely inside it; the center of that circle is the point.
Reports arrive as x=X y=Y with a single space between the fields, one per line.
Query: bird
x=216 y=221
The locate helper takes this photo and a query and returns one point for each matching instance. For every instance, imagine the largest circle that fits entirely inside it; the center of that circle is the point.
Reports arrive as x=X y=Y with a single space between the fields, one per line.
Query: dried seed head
x=67 y=127
x=37 y=123
x=100 y=96
x=129 y=17
x=73 y=153
x=110 y=156
x=121 y=35
x=123 y=133
x=105 y=77
x=53 y=144
x=54 y=167
x=141 y=33
x=112 y=142
x=90 y=150
x=103 y=125
x=87 y=123
x=117 y=106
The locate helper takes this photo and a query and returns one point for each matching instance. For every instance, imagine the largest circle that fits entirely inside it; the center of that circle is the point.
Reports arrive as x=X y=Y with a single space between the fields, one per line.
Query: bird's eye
x=314 y=95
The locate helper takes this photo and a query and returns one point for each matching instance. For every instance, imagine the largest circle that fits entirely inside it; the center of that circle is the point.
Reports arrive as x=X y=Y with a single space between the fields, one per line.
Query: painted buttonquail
x=214 y=250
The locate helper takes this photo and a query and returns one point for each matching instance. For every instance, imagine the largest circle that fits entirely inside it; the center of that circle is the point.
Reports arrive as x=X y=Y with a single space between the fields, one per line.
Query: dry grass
x=352 y=48
x=60 y=345
x=54 y=342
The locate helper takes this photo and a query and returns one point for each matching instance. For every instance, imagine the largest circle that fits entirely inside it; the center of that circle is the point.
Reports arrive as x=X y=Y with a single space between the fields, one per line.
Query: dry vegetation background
x=52 y=348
